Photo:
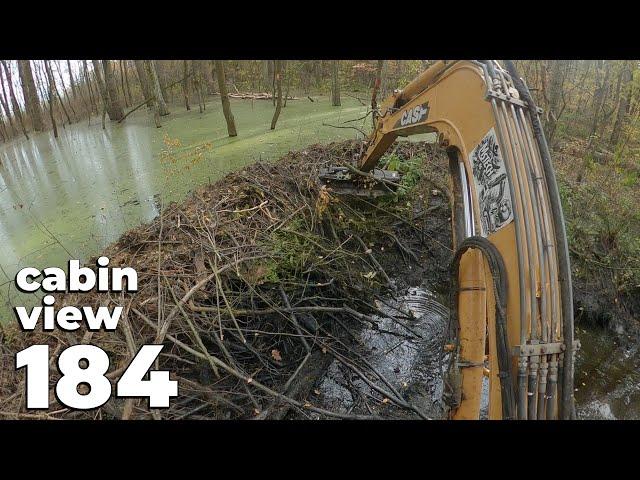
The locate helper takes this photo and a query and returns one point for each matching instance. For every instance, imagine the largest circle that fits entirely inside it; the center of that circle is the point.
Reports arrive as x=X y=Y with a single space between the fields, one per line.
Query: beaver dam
x=276 y=299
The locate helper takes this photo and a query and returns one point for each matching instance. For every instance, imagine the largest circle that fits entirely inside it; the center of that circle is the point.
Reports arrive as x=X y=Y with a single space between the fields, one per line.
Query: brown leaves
x=323 y=201
x=275 y=354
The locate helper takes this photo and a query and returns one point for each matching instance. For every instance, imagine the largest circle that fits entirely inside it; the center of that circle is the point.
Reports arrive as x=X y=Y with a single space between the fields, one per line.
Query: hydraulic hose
x=564 y=268
x=500 y=288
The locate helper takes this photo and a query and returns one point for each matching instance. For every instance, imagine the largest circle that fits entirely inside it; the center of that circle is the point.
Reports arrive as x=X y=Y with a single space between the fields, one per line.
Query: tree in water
x=101 y=88
x=224 y=98
x=30 y=95
x=278 y=77
x=153 y=100
x=335 y=84
x=14 y=101
x=114 y=105
x=52 y=97
x=143 y=80
x=156 y=89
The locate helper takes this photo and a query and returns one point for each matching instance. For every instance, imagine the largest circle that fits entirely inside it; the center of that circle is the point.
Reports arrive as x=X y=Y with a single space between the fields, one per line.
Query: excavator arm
x=511 y=311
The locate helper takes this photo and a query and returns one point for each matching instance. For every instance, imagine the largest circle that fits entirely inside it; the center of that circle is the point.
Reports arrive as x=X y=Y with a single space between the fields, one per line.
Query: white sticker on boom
x=492 y=185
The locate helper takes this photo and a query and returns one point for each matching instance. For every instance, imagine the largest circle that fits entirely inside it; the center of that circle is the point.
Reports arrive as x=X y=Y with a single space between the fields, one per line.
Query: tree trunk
x=212 y=71
x=374 y=94
x=122 y=87
x=114 y=106
x=57 y=94
x=30 y=94
x=153 y=99
x=160 y=73
x=626 y=75
x=74 y=93
x=600 y=96
x=555 y=97
x=197 y=84
x=154 y=83
x=335 y=84
x=3 y=130
x=14 y=101
x=286 y=93
x=87 y=81
x=224 y=98
x=126 y=80
x=76 y=90
x=185 y=83
x=278 y=79
x=143 y=80
x=4 y=100
x=208 y=72
x=65 y=94
x=51 y=97
x=267 y=72
x=101 y=86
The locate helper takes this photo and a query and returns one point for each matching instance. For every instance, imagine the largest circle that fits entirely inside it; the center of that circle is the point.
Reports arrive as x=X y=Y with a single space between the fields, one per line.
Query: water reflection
x=72 y=196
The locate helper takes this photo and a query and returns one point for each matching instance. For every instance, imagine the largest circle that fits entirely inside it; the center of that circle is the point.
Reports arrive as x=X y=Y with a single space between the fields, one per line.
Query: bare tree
x=374 y=94
x=185 y=83
x=156 y=90
x=153 y=99
x=626 y=75
x=114 y=106
x=87 y=81
x=285 y=68
x=65 y=94
x=4 y=102
x=196 y=73
x=603 y=69
x=335 y=84
x=224 y=98
x=51 y=83
x=556 y=91
x=143 y=80
x=30 y=94
x=278 y=78
x=125 y=71
x=101 y=87
x=71 y=81
x=14 y=101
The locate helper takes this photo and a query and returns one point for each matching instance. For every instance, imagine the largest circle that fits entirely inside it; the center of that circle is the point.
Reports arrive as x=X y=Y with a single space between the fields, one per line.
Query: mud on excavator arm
x=512 y=294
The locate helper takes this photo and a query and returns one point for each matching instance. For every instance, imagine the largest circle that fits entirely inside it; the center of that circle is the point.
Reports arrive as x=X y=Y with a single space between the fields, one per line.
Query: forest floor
x=600 y=199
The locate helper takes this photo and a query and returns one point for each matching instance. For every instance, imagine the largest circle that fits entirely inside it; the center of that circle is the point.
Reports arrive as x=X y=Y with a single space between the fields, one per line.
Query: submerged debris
x=256 y=284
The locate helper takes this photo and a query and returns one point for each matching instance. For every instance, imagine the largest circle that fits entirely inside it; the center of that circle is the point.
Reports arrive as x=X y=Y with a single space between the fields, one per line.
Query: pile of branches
x=253 y=284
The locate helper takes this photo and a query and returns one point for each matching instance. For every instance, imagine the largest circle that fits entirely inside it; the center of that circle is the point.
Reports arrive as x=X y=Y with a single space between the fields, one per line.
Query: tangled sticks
x=254 y=285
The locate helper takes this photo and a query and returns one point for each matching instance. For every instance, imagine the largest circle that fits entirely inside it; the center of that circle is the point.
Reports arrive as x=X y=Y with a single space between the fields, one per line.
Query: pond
x=72 y=196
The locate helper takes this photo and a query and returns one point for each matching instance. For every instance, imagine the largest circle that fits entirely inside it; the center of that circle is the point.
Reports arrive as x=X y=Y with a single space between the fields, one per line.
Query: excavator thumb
x=350 y=181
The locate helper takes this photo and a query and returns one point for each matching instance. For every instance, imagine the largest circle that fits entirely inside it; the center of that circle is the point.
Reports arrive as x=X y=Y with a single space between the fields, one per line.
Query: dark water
x=405 y=353
x=607 y=376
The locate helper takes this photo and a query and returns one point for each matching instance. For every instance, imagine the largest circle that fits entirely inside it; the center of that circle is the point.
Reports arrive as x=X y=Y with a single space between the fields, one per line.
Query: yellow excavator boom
x=511 y=309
